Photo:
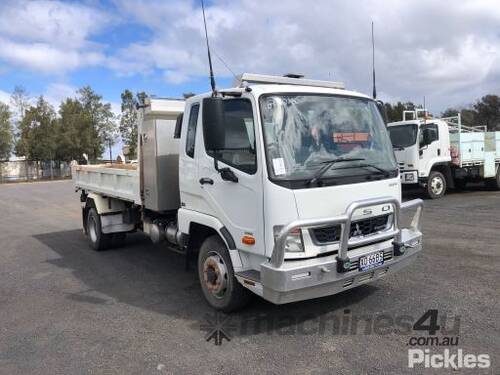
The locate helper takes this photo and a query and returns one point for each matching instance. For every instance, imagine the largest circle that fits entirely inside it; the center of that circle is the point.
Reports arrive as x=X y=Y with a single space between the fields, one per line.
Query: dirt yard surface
x=65 y=309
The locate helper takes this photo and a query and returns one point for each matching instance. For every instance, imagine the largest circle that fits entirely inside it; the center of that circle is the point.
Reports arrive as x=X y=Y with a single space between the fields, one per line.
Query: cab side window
x=191 y=129
x=432 y=129
x=239 y=142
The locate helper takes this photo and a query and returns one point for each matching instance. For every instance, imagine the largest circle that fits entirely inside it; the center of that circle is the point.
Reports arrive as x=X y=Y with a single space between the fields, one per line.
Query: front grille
x=331 y=234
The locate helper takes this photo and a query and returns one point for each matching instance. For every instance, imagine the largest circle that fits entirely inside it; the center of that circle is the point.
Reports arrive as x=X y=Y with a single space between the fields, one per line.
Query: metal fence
x=28 y=170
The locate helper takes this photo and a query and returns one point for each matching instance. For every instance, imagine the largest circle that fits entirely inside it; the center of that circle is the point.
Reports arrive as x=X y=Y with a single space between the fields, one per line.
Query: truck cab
x=422 y=149
x=442 y=153
x=287 y=188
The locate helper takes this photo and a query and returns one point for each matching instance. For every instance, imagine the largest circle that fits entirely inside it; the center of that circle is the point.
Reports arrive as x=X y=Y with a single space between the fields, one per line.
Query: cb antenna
x=373 y=64
x=212 y=79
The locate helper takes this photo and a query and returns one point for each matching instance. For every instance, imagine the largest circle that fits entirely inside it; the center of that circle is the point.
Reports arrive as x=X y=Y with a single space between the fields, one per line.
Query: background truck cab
x=441 y=153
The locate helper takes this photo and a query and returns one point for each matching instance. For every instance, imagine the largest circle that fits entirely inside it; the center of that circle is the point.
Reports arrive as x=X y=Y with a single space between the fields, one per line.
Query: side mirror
x=214 y=130
x=178 y=126
x=382 y=110
x=428 y=136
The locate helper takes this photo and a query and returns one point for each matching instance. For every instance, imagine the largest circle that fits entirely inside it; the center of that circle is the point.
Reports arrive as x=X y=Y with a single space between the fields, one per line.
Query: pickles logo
x=447 y=359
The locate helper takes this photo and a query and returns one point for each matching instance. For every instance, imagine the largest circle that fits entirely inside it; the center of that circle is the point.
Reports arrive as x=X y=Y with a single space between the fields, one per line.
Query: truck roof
x=267 y=84
x=416 y=122
x=261 y=89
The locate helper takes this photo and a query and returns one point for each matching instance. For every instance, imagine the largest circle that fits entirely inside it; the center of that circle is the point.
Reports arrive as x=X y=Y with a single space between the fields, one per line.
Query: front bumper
x=288 y=281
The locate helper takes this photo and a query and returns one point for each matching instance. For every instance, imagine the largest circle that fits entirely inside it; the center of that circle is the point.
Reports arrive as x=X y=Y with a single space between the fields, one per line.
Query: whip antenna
x=373 y=64
x=212 y=79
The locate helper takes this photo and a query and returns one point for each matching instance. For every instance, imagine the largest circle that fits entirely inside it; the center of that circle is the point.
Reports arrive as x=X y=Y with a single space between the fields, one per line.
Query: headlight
x=293 y=241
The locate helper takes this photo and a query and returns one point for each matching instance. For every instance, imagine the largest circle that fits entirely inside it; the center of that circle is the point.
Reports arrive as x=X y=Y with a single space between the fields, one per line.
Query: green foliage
x=128 y=120
x=485 y=111
x=6 y=134
x=395 y=111
x=76 y=133
x=85 y=125
x=488 y=112
x=38 y=132
x=100 y=120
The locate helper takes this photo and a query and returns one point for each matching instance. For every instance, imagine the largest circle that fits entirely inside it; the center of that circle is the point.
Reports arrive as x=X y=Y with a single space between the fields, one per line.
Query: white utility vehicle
x=438 y=153
x=285 y=187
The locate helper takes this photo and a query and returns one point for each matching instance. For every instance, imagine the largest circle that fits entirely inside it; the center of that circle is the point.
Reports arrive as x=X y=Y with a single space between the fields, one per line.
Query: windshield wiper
x=385 y=172
x=398 y=147
x=327 y=166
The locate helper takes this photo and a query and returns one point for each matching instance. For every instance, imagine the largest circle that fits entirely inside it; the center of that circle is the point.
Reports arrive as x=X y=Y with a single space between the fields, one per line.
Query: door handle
x=206 y=180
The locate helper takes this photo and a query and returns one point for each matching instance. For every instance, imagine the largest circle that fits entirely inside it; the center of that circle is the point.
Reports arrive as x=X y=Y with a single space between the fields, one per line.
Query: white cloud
x=423 y=47
x=4 y=97
x=58 y=23
x=57 y=92
x=450 y=53
x=50 y=36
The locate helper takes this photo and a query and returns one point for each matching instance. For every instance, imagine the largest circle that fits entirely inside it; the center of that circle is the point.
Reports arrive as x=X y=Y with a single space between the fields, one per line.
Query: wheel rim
x=437 y=185
x=215 y=275
x=92 y=229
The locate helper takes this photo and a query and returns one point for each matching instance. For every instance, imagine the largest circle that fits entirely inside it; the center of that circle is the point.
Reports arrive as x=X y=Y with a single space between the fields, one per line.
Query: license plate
x=373 y=260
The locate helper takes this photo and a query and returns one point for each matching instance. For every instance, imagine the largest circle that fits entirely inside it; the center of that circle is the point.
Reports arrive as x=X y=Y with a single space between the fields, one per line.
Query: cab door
x=234 y=193
x=431 y=151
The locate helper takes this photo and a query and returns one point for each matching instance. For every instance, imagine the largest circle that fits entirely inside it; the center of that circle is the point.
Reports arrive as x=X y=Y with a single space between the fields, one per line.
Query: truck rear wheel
x=436 y=185
x=494 y=183
x=218 y=283
x=98 y=240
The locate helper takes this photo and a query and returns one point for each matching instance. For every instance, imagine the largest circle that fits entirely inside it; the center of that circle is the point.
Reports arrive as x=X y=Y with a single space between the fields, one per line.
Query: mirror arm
x=216 y=161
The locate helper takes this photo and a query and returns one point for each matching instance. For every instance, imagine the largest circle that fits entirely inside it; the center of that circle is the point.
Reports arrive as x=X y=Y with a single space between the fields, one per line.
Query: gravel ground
x=65 y=309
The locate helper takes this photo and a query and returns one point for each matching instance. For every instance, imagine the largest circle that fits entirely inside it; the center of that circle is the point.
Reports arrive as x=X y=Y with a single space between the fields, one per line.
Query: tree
x=488 y=112
x=38 y=132
x=102 y=120
x=395 y=111
x=75 y=131
x=6 y=136
x=20 y=101
x=468 y=116
x=128 y=119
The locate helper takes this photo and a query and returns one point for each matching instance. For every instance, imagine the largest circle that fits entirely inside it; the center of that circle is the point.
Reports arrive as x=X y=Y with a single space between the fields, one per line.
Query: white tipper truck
x=284 y=187
x=438 y=153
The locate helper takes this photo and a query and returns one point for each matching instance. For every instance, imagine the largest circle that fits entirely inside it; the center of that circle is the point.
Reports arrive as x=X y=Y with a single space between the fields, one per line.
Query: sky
x=446 y=51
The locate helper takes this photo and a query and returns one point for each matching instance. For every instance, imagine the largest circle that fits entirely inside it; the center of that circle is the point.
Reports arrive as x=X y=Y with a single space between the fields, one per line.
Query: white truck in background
x=442 y=153
x=284 y=187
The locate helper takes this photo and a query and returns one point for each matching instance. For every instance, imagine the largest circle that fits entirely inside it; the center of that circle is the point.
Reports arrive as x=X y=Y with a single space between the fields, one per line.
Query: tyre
x=494 y=183
x=216 y=274
x=98 y=240
x=460 y=184
x=436 y=185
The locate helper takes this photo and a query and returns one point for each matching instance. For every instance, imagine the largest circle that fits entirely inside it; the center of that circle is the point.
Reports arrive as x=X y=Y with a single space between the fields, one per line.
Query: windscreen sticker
x=350 y=137
x=279 y=166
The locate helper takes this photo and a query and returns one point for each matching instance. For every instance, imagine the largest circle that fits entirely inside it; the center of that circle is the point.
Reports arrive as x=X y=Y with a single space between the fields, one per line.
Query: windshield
x=403 y=135
x=302 y=132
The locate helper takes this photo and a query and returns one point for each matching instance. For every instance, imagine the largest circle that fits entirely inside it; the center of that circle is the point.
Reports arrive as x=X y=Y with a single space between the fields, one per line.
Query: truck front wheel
x=98 y=240
x=215 y=270
x=436 y=185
